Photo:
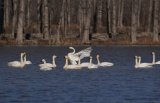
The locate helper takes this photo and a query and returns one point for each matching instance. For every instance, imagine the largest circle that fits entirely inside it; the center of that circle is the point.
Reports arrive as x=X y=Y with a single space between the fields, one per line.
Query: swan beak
x=24 y=53
x=69 y=47
x=90 y=57
x=153 y=53
x=56 y=57
x=135 y=57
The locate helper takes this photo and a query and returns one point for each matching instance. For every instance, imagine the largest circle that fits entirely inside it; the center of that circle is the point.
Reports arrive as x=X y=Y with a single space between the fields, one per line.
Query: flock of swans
x=75 y=61
x=138 y=63
x=73 y=58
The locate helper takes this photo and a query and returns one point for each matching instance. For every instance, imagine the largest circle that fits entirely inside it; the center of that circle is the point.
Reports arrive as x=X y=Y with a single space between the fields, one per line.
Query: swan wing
x=14 y=63
x=28 y=62
x=84 y=53
x=106 y=64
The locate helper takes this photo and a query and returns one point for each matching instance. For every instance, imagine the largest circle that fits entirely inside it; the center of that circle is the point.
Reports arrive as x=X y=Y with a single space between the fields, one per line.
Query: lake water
x=121 y=83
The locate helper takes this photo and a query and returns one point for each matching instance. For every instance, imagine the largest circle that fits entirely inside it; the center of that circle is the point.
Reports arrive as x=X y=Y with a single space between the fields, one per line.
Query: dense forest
x=59 y=21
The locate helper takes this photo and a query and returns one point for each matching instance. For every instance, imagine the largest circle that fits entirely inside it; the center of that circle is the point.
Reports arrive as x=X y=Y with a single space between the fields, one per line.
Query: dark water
x=121 y=83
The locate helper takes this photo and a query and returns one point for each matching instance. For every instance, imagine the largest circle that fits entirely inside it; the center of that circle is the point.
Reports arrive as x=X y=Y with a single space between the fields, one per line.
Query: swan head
x=98 y=56
x=90 y=57
x=54 y=56
x=66 y=57
x=135 y=57
x=153 y=53
x=139 y=57
x=43 y=60
x=71 y=48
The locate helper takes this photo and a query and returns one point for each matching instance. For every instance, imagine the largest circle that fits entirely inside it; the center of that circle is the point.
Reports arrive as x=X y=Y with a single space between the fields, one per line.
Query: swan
x=158 y=62
x=73 y=57
x=66 y=66
x=26 y=62
x=45 y=67
x=17 y=63
x=91 y=65
x=144 y=65
x=103 y=64
x=49 y=64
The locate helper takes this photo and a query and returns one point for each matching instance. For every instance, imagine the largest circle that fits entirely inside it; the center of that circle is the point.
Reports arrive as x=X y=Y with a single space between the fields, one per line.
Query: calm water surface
x=121 y=83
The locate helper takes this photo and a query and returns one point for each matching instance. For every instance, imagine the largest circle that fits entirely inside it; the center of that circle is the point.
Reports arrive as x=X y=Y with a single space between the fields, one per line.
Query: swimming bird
x=27 y=61
x=73 y=57
x=66 y=66
x=158 y=62
x=144 y=65
x=136 y=62
x=18 y=63
x=49 y=64
x=103 y=64
x=45 y=67
x=91 y=65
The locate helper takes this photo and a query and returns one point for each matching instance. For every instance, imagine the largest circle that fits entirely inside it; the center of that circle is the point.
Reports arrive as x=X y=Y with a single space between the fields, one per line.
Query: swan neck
x=53 y=61
x=153 y=59
x=66 y=64
x=22 y=62
x=136 y=62
x=98 y=60
x=90 y=63
x=79 y=61
x=139 y=60
x=73 y=51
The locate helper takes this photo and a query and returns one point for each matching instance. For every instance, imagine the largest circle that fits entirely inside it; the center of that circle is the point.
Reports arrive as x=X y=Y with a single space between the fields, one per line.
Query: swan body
x=26 y=62
x=45 y=67
x=103 y=64
x=138 y=64
x=17 y=63
x=66 y=66
x=73 y=57
x=91 y=65
x=158 y=62
x=49 y=64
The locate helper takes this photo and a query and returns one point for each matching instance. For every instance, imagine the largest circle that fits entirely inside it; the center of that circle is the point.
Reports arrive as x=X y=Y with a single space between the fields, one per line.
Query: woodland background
x=79 y=22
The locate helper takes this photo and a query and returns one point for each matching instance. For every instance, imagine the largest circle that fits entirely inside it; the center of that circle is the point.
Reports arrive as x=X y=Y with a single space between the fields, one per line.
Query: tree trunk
x=155 y=27
x=120 y=13
x=138 y=12
x=20 y=23
x=88 y=22
x=6 y=14
x=46 y=23
x=99 y=14
x=150 y=16
x=39 y=4
x=108 y=18
x=134 y=20
x=69 y=15
x=114 y=34
x=14 y=18
x=28 y=14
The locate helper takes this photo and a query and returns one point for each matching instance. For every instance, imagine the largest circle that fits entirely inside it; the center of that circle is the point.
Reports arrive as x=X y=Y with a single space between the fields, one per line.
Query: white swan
x=73 y=57
x=144 y=65
x=18 y=63
x=103 y=64
x=26 y=61
x=158 y=62
x=49 y=64
x=66 y=66
x=45 y=67
x=91 y=65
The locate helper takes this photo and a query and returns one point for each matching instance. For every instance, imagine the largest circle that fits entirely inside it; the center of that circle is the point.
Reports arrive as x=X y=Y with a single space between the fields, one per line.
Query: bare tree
x=46 y=22
x=99 y=14
x=6 y=13
x=88 y=22
x=14 y=18
x=138 y=12
x=150 y=16
x=134 y=18
x=28 y=14
x=114 y=34
x=39 y=4
x=155 y=27
x=120 y=12
x=20 y=23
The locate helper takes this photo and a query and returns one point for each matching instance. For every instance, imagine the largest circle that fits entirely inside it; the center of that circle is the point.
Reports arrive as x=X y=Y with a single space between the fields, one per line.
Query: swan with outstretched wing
x=73 y=57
